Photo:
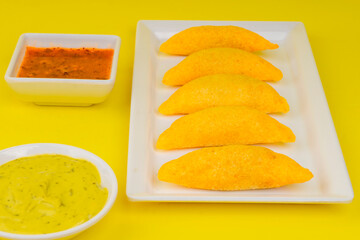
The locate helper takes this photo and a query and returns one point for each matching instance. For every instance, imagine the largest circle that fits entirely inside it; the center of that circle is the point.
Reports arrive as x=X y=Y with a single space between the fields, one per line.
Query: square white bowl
x=62 y=91
x=316 y=148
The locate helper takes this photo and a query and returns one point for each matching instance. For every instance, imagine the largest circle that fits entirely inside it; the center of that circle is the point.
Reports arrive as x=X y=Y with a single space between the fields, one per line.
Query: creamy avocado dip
x=48 y=193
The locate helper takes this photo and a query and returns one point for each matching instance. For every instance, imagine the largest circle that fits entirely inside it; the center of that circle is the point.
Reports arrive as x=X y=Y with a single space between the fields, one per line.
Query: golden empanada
x=221 y=60
x=197 y=38
x=224 y=90
x=235 y=167
x=224 y=126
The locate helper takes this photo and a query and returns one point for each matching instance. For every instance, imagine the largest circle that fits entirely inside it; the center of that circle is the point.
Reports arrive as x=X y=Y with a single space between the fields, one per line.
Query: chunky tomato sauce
x=79 y=63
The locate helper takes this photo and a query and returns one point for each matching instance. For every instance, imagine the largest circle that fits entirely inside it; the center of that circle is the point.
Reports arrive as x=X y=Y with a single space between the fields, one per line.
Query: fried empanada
x=234 y=167
x=224 y=90
x=225 y=125
x=197 y=38
x=221 y=60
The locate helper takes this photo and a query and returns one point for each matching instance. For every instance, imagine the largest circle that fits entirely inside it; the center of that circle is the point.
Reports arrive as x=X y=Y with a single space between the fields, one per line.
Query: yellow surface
x=333 y=30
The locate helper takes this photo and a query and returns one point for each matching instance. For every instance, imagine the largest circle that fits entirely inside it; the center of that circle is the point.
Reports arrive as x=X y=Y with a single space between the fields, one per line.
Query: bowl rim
x=20 y=43
x=79 y=228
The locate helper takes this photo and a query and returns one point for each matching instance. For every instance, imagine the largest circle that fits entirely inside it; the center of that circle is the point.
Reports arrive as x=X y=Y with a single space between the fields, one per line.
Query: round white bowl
x=108 y=180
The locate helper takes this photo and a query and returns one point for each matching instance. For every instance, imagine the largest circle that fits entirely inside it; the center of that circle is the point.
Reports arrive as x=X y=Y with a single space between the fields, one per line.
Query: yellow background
x=333 y=29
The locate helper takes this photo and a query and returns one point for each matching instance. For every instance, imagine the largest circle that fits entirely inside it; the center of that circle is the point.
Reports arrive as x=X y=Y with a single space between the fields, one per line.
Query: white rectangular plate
x=316 y=146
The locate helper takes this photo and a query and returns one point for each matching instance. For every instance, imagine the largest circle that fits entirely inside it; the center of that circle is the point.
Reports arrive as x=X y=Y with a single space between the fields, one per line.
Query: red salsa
x=78 y=63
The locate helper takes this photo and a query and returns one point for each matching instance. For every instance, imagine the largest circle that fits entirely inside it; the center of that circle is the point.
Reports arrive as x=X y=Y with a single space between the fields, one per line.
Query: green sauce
x=48 y=193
